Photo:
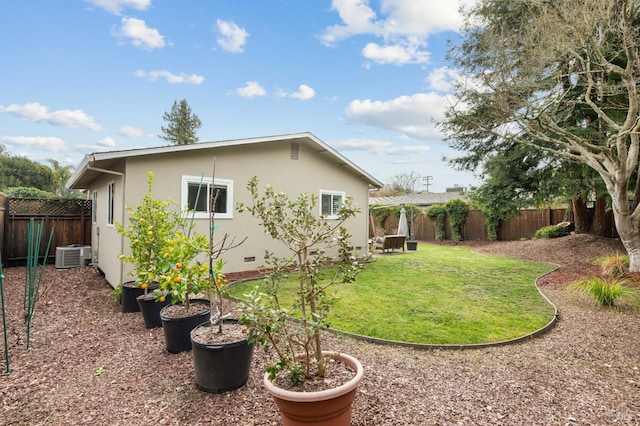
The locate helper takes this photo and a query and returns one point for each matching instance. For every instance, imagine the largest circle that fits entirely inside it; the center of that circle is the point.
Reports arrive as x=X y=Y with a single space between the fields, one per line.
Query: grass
x=437 y=295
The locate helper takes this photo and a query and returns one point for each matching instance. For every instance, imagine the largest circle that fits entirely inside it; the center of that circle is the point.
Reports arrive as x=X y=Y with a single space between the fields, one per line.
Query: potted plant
x=221 y=353
x=296 y=334
x=151 y=225
x=181 y=276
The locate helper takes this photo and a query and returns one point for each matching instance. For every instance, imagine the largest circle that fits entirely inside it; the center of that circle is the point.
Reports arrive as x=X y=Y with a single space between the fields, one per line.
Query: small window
x=330 y=203
x=111 y=192
x=198 y=194
x=94 y=206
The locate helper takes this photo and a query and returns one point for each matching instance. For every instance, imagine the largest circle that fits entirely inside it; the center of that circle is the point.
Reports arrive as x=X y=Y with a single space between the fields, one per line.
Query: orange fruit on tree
x=177 y=280
x=161 y=299
x=143 y=286
x=178 y=265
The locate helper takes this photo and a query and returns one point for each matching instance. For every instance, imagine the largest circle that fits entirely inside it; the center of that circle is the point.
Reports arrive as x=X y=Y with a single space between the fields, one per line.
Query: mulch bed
x=89 y=363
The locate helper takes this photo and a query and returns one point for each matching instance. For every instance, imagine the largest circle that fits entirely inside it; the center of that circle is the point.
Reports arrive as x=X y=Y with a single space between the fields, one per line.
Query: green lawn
x=437 y=295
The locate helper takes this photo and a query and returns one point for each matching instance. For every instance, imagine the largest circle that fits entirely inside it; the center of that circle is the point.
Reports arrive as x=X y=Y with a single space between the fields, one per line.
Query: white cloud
x=46 y=143
x=232 y=37
x=139 y=34
x=133 y=132
x=251 y=89
x=395 y=54
x=104 y=144
x=358 y=18
x=414 y=115
x=33 y=111
x=116 y=6
x=379 y=147
x=107 y=142
x=403 y=25
x=171 y=78
x=304 y=93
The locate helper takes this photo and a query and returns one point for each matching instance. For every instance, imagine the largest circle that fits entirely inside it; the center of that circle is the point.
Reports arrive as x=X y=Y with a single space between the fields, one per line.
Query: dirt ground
x=89 y=363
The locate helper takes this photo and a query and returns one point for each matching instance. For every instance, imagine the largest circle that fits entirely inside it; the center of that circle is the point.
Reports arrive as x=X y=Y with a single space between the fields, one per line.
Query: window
x=198 y=193
x=94 y=206
x=111 y=192
x=330 y=203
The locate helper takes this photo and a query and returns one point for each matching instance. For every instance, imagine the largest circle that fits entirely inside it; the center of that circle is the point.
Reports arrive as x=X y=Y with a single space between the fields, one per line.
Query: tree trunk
x=581 y=216
x=600 y=218
x=627 y=224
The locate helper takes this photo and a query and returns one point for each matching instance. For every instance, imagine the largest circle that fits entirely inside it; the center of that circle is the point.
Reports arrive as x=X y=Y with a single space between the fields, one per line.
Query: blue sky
x=366 y=77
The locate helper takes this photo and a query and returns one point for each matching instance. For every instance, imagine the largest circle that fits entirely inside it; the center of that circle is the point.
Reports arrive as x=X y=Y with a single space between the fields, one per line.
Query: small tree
x=437 y=213
x=152 y=227
x=182 y=124
x=308 y=237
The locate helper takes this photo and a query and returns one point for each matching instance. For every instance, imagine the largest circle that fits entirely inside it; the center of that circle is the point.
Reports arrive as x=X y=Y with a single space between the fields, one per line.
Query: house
x=420 y=199
x=293 y=163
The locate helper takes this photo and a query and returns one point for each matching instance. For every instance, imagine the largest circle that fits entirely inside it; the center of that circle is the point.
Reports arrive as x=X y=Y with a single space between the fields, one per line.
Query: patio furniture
x=390 y=243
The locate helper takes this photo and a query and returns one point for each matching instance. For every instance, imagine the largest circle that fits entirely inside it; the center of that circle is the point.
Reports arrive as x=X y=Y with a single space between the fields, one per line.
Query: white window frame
x=94 y=206
x=184 y=195
x=111 y=191
x=334 y=213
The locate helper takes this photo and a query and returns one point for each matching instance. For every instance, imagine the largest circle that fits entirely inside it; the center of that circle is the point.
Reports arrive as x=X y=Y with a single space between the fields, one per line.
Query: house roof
x=418 y=199
x=98 y=163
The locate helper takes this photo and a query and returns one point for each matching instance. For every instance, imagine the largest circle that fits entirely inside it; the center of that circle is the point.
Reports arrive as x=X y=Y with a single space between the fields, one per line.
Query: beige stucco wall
x=106 y=243
x=271 y=163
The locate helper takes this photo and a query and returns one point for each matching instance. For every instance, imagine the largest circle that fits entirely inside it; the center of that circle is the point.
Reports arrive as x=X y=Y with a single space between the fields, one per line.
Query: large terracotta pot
x=331 y=407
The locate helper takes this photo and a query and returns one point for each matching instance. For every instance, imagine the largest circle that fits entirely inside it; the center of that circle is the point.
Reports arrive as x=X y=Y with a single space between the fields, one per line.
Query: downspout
x=124 y=178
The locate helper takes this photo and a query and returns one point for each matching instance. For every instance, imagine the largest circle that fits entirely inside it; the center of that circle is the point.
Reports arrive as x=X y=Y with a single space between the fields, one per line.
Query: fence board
x=523 y=226
x=70 y=220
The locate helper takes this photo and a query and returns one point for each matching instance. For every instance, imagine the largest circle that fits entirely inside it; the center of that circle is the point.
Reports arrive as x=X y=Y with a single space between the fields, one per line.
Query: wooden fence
x=67 y=221
x=523 y=226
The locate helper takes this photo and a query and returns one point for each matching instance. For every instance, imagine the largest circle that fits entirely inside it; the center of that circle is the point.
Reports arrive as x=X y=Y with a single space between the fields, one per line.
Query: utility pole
x=428 y=180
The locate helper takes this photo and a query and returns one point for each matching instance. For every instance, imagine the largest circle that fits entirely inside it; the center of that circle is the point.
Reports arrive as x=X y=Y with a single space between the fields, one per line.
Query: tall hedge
x=457 y=210
x=437 y=213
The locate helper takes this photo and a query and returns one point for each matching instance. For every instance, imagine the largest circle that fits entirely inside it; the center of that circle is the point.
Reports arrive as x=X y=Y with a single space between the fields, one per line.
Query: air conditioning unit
x=72 y=256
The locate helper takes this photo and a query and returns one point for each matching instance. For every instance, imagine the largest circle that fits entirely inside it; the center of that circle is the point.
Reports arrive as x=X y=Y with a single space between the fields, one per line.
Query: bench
x=390 y=242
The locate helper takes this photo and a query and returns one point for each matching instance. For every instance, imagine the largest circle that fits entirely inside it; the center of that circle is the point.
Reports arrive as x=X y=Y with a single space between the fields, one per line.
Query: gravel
x=89 y=363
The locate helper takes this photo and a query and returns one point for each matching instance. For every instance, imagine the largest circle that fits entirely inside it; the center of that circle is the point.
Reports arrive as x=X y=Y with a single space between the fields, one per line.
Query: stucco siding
x=293 y=164
x=272 y=164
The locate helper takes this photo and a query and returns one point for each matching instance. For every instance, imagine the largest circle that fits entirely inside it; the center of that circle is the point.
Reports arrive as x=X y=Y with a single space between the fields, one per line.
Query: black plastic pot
x=412 y=245
x=130 y=292
x=150 y=310
x=221 y=367
x=177 y=331
x=129 y=296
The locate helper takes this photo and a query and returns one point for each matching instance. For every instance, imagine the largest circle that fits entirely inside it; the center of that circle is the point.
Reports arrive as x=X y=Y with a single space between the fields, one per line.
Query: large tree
x=182 y=124
x=16 y=171
x=560 y=76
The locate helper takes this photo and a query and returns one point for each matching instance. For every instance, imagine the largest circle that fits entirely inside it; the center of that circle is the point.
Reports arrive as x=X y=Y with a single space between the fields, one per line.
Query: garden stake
x=31 y=287
x=4 y=320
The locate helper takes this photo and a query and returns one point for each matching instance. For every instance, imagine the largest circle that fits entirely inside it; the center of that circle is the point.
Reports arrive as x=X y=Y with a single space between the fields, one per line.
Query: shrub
x=614 y=266
x=605 y=292
x=437 y=213
x=551 y=231
x=457 y=210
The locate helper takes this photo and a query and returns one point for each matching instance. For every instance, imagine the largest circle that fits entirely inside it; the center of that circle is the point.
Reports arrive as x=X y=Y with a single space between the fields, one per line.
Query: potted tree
x=221 y=353
x=151 y=225
x=298 y=379
x=181 y=276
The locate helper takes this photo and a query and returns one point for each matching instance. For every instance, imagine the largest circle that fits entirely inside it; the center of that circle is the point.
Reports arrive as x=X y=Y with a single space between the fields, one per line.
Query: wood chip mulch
x=89 y=363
